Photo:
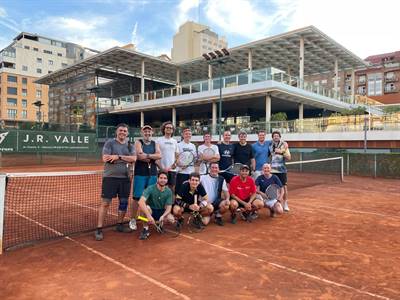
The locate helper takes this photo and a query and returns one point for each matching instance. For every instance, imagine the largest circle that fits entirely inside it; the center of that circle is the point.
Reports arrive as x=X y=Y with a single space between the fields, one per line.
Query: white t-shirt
x=200 y=150
x=168 y=148
x=182 y=146
x=210 y=184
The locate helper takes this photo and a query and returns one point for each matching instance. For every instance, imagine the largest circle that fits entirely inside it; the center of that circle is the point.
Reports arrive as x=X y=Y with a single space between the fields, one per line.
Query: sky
x=364 y=27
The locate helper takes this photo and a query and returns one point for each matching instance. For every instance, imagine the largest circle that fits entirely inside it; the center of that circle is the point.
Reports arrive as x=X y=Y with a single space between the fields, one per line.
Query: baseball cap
x=245 y=167
x=147 y=127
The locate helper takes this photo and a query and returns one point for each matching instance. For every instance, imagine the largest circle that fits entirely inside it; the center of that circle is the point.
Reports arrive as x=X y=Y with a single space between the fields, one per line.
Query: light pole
x=218 y=57
x=38 y=104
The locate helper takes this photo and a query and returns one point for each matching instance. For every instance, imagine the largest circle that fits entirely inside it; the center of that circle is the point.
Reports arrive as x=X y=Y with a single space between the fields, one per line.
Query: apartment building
x=27 y=58
x=193 y=39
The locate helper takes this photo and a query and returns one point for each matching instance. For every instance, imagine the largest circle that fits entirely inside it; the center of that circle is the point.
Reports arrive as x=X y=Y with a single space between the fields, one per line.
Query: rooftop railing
x=243 y=78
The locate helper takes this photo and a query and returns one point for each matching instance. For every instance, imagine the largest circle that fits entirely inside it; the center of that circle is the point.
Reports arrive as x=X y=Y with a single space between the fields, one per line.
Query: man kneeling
x=186 y=200
x=265 y=180
x=156 y=204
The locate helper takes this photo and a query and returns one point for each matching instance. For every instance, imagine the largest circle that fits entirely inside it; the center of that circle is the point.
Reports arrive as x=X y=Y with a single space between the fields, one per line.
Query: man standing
x=226 y=150
x=243 y=195
x=261 y=153
x=217 y=192
x=206 y=159
x=148 y=152
x=183 y=172
x=169 y=151
x=156 y=204
x=280 y=153
x=118 y=153
x=243 y=152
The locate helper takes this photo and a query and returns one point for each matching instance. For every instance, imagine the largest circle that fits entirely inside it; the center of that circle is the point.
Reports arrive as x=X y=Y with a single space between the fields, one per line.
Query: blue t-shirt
x=261 y=153
x=264 y=182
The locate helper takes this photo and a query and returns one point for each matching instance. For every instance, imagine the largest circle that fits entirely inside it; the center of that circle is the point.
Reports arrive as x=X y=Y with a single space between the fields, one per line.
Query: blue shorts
x=157 y=213
x=140 y=183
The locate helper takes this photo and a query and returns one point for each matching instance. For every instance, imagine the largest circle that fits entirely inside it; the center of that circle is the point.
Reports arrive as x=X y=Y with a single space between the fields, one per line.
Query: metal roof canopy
x=280 y=51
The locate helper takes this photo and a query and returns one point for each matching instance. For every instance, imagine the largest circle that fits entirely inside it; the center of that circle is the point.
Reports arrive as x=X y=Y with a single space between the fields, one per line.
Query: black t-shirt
x=226 y=154
x=185 y=197
x=243 y=154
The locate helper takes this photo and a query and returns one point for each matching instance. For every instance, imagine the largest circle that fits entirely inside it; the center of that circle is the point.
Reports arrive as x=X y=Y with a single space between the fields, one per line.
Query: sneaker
x=179 y=224
x=144 y=234
x=132 y=224
x=253 y=215
x=98 y=235
x=247 y=216
x=271 y=213
x=123 y=228
x=233 y=218
x=198 y=222
x=286 y=207
x=219 y=221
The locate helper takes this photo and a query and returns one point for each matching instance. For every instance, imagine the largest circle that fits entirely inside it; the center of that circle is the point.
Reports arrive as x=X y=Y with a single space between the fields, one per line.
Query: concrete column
x=178 y=81
x=174 y=116
x=142 y=82
x=301 y=62
x=214 y=118
x=141 y=119
x=267 y=113
x=250 y=65
x=353 y=86
x=335 y=87
x=210 y=76
x=301 y=113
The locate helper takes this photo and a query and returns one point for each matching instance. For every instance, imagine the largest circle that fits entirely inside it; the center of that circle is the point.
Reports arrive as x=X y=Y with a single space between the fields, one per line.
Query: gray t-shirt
x=120 y=168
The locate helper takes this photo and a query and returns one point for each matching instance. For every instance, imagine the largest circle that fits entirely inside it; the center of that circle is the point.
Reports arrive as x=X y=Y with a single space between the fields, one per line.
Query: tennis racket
x=273 y=192
x=185 y=159
x=165 y=228
x=233 y=169
x=195 y=223
x=207 y=155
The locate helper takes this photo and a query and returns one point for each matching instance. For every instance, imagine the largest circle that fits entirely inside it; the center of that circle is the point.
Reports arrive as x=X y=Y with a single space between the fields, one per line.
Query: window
x=11 y=78
x=389 y=76
x=24 y=114
x=361 y=79
x=24 y=68
x=47 y=52
x=11 y=102
x=51 y=62
x=27 y=47
x=39 y=60
x=59 y=54
x=12 y=91
x=390 y=87
x=24 y=92
x=64 y=65
x=24 y=80
x=324 y=81
x=38 y=94
x=24 y=103
x=49 y=72
x=39 y=71
x=375 y=84
x=11 y=113
x=35 y=49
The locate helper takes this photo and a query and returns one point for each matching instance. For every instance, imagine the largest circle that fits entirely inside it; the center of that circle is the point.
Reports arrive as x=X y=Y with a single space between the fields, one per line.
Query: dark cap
x=147 y=127
x=245 y=167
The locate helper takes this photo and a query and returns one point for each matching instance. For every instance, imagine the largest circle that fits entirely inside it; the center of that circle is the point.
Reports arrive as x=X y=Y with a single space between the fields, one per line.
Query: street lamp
x=38 y=104
x=218 y=57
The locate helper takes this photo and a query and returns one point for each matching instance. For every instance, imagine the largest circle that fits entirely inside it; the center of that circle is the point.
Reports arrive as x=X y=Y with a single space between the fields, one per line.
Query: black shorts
x=171 y=178
x=282 y=177
x=157 y=213
x=180 y=179
x=112 y=187
x=227 y=176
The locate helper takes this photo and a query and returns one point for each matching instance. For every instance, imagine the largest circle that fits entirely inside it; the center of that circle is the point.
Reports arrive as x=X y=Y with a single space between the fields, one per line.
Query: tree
x=280 y=116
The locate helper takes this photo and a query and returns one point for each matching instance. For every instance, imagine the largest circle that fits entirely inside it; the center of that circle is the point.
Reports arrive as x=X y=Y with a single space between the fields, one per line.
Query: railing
x=233 y=80
x=390 y=89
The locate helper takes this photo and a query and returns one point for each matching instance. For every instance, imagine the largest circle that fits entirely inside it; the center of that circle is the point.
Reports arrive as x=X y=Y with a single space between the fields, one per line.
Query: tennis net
x=47 y=205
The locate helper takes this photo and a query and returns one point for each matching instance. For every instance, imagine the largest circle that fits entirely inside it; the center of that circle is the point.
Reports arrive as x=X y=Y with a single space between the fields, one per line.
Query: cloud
x=187 y=10
x=6 y=21
x=247 y=18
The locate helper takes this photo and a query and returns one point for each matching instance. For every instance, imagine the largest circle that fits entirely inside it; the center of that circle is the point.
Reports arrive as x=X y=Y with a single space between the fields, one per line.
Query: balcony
x=391 y=89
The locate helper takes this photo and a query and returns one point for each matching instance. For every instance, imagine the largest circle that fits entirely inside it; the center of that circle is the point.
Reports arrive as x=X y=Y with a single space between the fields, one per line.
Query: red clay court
x=339 y=241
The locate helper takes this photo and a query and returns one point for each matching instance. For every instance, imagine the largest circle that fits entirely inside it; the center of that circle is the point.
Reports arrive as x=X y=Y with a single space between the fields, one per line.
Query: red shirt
x=241 y=189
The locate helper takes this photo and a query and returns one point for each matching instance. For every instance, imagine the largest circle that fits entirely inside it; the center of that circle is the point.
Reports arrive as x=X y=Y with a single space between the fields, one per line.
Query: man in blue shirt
x=261 y=153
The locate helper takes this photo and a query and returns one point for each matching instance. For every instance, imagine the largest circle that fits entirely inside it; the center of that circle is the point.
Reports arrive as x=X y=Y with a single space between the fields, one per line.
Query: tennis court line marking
x=347 y=210
x=108 y=258
x=282 y=267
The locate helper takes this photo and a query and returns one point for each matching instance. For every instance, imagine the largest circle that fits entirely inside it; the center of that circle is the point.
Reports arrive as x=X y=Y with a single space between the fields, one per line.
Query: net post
x=3 y=178
x=341 y=169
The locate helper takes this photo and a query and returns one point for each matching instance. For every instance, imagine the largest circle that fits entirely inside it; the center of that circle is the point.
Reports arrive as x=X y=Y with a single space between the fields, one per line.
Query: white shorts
x=270 y=203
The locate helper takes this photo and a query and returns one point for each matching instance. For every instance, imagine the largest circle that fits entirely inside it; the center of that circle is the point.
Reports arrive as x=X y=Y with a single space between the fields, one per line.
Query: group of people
x=164 y=189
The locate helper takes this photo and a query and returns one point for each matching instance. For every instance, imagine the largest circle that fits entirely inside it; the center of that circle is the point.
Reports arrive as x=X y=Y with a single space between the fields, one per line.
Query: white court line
x=344 y=209
x=282 y=267
x=108 y=258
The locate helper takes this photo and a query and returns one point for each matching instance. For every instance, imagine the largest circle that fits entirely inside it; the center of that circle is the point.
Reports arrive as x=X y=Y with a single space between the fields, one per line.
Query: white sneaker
x=132 y=224
x=286 y=207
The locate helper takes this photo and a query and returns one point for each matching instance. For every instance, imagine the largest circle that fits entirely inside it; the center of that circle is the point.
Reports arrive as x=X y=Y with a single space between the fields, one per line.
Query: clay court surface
x=339 y=241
